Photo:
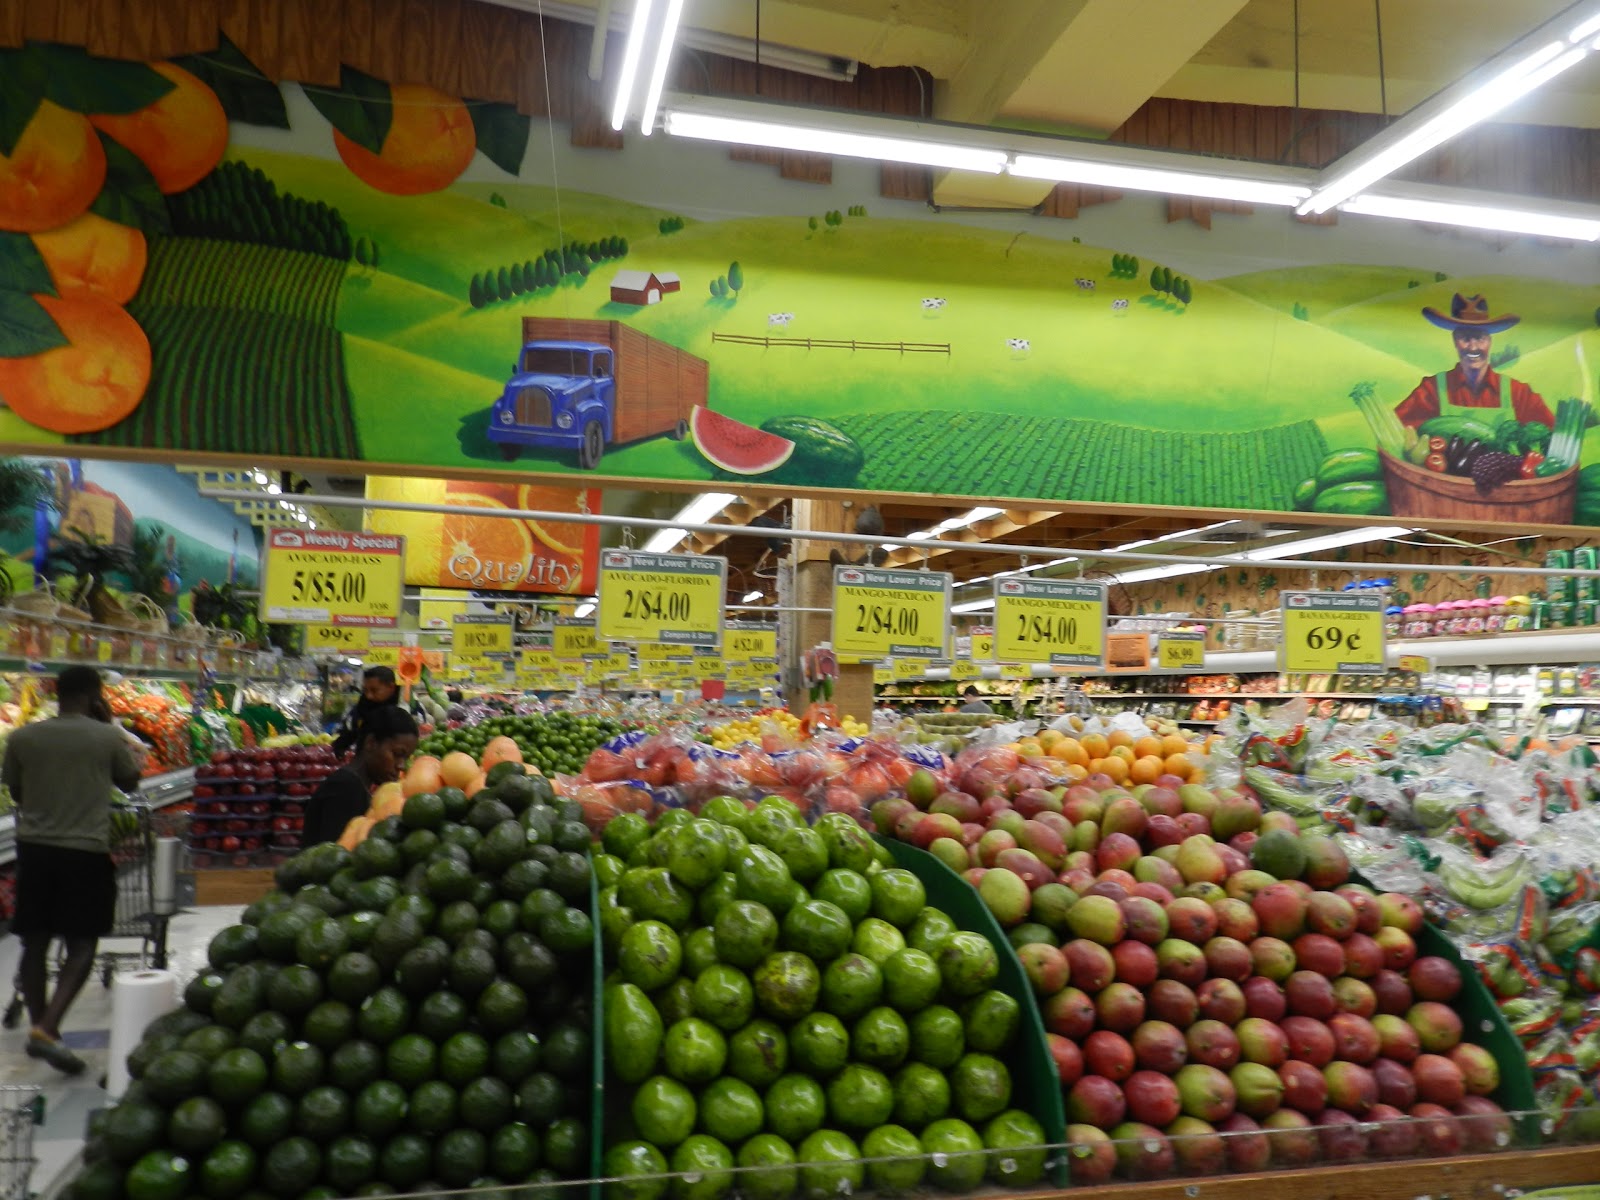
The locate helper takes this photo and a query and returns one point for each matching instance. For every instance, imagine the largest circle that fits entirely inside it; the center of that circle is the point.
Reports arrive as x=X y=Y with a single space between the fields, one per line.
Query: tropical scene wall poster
x=196 y=259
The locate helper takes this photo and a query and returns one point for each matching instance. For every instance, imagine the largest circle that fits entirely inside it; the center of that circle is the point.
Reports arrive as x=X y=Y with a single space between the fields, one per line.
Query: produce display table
x=1462 y=1177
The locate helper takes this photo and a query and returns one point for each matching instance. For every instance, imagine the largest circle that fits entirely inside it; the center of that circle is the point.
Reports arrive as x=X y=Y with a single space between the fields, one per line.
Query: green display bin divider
x=1034 y=1080
x=597 y=1101
x=1485 y=1024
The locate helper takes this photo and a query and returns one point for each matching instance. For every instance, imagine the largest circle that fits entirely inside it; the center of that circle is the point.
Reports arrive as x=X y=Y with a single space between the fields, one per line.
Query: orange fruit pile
x=1119 y=756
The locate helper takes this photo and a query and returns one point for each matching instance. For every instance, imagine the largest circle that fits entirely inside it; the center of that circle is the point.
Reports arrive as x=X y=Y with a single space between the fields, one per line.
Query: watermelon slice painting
x=735 y=447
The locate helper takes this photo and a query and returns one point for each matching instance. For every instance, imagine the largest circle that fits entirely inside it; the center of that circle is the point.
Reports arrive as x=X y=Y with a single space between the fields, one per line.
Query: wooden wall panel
x=138 y=33
x=384 y=51
x=168 y=32
x=533 y=98
x=416 y=37
x=34 y=20
x=322 y=57
x=489 y=60
x=355 y=34
x=233 y=19
x=443 y=68
x=105 y=27
x=294 y=36
x=268 y=41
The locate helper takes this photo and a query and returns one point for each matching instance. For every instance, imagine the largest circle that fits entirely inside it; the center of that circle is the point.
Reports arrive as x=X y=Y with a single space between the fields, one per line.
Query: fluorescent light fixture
x=750 y=597
x=630 y=63
x=584 y=609
x=1477 y=216
x=1300 y=547
x=1454 y=111
x=697 y=512
x=811 y=139
x=979 y=514
x=1168 y=571
x=1146 y=179
x=973 y=606
x=658 y=73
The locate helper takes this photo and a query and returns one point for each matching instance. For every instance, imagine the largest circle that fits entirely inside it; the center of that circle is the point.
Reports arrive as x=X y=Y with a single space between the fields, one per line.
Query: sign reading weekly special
x=1058 y=622
x=891 y=614
x=1335 y=632
x=332 y=577
x=675 y=599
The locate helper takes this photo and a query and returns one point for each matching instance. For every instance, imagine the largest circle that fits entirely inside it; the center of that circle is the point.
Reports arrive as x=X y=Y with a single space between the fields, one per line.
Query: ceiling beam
x=1083 y=66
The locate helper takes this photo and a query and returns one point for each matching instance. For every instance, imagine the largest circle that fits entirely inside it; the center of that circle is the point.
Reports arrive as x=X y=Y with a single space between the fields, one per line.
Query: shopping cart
x=134 y=830
x=21 y=1108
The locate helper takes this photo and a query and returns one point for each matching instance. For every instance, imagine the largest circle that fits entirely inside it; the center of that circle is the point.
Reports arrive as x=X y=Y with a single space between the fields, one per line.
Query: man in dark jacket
x=378 y=690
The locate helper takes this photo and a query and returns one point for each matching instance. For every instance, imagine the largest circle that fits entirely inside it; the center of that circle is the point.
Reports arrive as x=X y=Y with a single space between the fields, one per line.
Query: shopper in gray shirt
x=974 y=702
x=60 y=773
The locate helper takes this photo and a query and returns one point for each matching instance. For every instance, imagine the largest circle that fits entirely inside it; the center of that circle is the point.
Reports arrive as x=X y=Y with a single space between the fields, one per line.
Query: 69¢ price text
x=1331 y=637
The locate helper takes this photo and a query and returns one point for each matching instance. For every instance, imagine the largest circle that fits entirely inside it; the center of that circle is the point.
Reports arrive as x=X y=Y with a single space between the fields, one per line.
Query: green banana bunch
x=1566 y=930
x=1478 y=889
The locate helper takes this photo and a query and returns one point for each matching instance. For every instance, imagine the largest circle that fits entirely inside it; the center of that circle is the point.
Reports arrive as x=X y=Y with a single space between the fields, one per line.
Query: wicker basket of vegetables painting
x=1418 y=492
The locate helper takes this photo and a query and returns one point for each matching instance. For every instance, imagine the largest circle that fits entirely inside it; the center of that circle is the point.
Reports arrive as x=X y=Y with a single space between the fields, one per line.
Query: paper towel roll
x=137 y=998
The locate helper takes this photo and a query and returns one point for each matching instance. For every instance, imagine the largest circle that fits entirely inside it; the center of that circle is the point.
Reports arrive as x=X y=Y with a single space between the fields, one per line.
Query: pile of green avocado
x=785 y=1016
x=416 y=1015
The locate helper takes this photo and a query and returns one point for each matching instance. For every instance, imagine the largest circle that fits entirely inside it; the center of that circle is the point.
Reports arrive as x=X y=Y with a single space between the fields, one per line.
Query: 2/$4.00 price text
x=1331 y=637
x=893 y=619
x=1054 y=631
x=329 y=587
x=654 y=604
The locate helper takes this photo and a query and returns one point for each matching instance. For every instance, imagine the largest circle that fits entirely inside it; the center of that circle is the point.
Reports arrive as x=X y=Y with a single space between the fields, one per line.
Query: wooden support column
x=813 y=588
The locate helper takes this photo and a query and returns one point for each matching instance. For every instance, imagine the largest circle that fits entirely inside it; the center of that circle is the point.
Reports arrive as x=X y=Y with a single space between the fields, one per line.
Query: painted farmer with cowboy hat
x=1472 y=386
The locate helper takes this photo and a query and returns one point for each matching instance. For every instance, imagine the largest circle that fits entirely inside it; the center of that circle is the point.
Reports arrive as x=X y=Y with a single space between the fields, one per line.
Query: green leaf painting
x=362 y=109
x=502 y=134
x=98 y=85
x=246 y=94
x=21 y=267
x=130 y=195
x=25 y=328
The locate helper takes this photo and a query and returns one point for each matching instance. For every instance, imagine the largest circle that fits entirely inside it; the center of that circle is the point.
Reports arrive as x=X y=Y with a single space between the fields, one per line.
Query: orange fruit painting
x=430 y=142
x=94 y=256
x=89 y=384
x=180 y=138
x=53 y=173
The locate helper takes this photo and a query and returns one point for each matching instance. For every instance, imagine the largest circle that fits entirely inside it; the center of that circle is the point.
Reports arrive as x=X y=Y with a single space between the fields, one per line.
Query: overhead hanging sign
x=1127 y=651
x=1181 y=651
x=481 y=637
x=346 y=639
x=1335 y=632
x=536 y=669
x=983 y=645
x=383 y=651
x=891 y=614
x=909 y=668
x=745 y=640
x=1058 y=622
x=670 y=598
x=332 y=577
x=574 y=638
x=964 y=668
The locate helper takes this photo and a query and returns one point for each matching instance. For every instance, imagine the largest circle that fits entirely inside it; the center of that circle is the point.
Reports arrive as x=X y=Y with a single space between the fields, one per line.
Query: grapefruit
x=735 y=447
x=458 y=769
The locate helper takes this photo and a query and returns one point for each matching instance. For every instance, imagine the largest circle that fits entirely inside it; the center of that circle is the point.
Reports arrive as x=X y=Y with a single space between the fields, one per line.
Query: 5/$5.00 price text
x=330 y=587
x=887 y=618
x=647 y=603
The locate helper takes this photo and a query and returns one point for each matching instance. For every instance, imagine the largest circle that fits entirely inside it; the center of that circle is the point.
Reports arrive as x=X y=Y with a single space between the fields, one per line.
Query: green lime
x=158 y=1175
x=938 y=1037
x=911 y=980
x=980 y=1086
x=699 y=951
x=638 y=1166
x=663 y=1111
x=354 y=1065
x=383 y=1016
x=322 y=1113
x=955 y=1155
x=832 y=1165
x=819 y=1044
x=486 y=1104
x=758 y=1053
x=877 y=940
x=851 y=985
x=132 y=1130
x=723 y=996
x=227 y=1171
x=515 y=1056
x=787 y=985
x=266 y=1120
x=930 y=931
x=768 y=1168
x=541 y=1099
x=702 y=1169
x=894 y=1159
x=329 y=1025
x=350 y=1162
x=459 y=1157
x=897 y=897
x=795 y=1106
x=730 y=1110
x=197 y=1124
x=1022 y=1141
x=290 y=1167
x=991 y=1020
x=236 y=1076
x=411 y=1060
x=380 y=1109
x=860 y=1097
x=513 y=1151
x=433 y=1109
x=819 y=930
x=694 y=1051
x=847 y=890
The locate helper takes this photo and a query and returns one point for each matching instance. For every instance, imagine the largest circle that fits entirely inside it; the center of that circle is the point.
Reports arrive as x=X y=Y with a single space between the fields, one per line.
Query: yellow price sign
x=481 y=637
x=909 y=668
x=1417 y=663
x=709 y=666
x=331 y=577
x=572 y=638
x=595 y=670
x=662 y=658
x=964 y=668
x=983 y=646
x=383 y=652
x=670 y=598
x=536 y=668
x=1059 y=622
x=1181 y=651
x=891 y=614
x=1332 y=632
x=744 y=640
x=882 y=675
x=1016 y=671
x=343 y=638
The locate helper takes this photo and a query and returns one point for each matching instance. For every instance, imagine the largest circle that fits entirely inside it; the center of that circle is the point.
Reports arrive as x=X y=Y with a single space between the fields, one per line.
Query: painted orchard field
x=195 y=258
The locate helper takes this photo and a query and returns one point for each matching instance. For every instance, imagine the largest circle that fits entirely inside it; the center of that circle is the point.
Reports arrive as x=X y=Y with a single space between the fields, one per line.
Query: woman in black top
x=388 y=739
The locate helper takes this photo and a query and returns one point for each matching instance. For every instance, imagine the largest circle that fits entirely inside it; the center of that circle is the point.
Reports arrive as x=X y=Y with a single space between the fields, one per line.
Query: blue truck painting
x=582 y=386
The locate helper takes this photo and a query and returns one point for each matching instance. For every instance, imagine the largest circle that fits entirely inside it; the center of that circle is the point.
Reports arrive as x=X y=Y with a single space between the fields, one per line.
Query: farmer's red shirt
x=1423 y=403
